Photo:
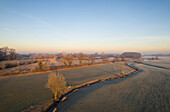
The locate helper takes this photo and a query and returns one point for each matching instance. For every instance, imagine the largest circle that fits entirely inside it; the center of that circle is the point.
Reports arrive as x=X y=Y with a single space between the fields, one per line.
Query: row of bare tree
x=69 y=59
x=72 y=59
x=42 y=56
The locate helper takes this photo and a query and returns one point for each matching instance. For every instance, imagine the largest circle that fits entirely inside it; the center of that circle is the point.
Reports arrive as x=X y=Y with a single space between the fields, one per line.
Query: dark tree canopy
x=131 y=55
x=7 y=54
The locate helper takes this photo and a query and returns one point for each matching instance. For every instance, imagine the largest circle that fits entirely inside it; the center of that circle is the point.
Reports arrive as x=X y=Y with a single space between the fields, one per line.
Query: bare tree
x=88 y=60
x=67 y=60
x=117 y=57
x=123 y=58
x=7 y=54
x=70 y=59
x=80 y=57
x=12 y=54
x=60 y=55
x=52 y=63
x=104 y=57
x=3 y=66
x=95 y=54
x=42 y=56
x=91 y=59
x=156 y=58
x=85 y=58
x=57 y=84
x=46 y=66
x=63 y=60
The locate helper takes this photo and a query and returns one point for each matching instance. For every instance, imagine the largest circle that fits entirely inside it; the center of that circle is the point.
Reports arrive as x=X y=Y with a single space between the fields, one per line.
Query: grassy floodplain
x=18 y=93
x=163 y=62
x=145 y=91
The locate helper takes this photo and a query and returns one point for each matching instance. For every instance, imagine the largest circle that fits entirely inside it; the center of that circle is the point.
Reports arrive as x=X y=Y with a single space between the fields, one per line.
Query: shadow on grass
x=74 y=97
x=156 y=66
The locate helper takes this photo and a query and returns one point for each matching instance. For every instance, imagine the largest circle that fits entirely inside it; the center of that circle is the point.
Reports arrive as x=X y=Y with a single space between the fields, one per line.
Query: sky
x=85 y=25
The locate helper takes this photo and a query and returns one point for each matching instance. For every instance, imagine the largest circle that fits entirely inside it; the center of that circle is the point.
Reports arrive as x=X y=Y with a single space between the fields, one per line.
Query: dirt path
x=148 y=90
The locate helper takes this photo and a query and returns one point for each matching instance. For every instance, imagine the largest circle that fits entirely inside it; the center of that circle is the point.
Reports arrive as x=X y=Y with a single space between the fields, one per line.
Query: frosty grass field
x=18 y=93
x=145 y=91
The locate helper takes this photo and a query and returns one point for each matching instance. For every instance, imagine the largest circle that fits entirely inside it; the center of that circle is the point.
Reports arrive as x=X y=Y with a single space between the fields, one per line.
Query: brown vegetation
x=40 y=65
x=104 y=57
x=81 y=57
x=42 y=56
x=67 y=60
x=57 y=84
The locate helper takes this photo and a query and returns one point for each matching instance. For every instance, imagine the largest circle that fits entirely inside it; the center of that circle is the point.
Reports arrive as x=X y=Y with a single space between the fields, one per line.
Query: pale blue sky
x=85 y=25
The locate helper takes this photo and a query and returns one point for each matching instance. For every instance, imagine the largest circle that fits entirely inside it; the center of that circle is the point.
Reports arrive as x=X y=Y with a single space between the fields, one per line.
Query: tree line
x=70 y=59
x=8 y=54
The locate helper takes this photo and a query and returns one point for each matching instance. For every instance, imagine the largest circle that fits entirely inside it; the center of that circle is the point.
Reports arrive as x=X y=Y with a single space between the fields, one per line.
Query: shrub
x=33 y=69
x=6 y=73
x=24 y=72
x=16 y=72
x=46 y=66
x=40 y=65
x=3 y=66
